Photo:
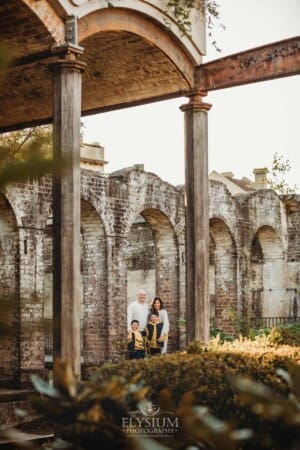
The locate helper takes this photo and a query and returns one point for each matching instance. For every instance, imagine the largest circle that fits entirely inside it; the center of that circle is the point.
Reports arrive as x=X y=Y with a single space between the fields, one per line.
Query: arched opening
x=267 y=274
x=94 y=286
x=223 y=258
x=28 y=30
x=140 y=259
x=48 y=290
x=9 y=288
x=152 y=264
x=212 y=280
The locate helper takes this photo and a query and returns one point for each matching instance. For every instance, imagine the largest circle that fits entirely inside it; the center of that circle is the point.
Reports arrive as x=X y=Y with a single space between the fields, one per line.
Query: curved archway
x=120 y=20
x=48 y=17
x=212 y=279
x=152 y=264
x=9 y=288
x=225 y=267
x=267 y=274
x=94 y=286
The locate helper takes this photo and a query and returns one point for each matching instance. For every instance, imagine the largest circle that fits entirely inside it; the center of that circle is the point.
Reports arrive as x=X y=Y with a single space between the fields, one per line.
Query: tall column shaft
x=66 y=210
x=197 y=219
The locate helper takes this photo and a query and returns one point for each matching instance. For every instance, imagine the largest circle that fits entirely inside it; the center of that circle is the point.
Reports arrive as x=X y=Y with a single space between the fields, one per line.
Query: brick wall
x=9 y=295
x=253 y=266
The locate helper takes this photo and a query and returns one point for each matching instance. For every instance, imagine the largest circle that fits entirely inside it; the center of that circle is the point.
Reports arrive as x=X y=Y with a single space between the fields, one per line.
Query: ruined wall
x=9 y=294
x=140 y=260
x=132 y=237
x=292 y=205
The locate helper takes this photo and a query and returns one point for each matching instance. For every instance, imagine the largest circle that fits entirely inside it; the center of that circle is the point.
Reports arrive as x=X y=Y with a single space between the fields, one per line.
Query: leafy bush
x=285 y=334
x=205 y=371
x=214 y=332
x=204 y=383
x=86 y=415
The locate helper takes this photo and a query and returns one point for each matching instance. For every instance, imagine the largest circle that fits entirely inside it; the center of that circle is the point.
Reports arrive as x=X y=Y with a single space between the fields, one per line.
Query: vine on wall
x=182 y=12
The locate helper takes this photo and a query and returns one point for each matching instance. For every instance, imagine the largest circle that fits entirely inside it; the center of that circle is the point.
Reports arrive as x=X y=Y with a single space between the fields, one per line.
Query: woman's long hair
x=160 y=302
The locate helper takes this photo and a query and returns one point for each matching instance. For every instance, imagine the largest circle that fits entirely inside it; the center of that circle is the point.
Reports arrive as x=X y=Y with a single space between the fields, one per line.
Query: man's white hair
x=142 y=291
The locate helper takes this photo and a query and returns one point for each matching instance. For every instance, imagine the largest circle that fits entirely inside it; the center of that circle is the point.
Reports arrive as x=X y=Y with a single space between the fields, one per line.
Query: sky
x=247 y=124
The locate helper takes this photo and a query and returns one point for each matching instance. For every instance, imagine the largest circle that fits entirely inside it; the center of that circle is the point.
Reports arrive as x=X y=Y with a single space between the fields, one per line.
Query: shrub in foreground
x=206 y=372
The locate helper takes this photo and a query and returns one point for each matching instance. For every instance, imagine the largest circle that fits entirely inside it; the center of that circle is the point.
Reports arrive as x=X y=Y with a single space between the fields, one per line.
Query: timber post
x=197 y=217
x=66 y=206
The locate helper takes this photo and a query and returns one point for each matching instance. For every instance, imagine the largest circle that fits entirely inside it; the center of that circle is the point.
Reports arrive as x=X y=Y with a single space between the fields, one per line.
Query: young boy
x=154 y=336
x=135 y=340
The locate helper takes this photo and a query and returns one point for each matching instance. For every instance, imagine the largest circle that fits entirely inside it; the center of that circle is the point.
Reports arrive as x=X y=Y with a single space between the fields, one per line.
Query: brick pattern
x=94 y=280
x=225 y=262
x=252 y=264
x=9 y=293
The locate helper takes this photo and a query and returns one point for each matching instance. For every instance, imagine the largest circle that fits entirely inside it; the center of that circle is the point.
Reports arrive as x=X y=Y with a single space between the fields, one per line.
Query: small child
x=136 y=344
x=154 y=336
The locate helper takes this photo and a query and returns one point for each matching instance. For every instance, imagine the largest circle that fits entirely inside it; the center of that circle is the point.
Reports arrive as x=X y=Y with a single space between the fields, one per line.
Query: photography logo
x=150 y=421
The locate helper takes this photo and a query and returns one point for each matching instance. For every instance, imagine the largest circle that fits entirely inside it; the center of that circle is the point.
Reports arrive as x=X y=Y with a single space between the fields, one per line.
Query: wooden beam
x=101 y=109
x=34 y=57
x=197 y=219
x=66 y=210
x=267 y=62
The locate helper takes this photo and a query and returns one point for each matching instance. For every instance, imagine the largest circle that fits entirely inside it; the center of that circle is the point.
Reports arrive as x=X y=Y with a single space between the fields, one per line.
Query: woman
x=157 y=306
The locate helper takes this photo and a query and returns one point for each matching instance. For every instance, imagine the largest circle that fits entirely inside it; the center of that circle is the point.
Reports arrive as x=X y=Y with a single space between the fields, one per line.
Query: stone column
x=197 y=218
x=66 y=206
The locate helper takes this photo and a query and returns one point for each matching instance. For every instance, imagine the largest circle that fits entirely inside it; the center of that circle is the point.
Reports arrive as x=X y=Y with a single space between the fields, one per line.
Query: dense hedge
x=204 y=371
x=206 y=375
x=286 y=334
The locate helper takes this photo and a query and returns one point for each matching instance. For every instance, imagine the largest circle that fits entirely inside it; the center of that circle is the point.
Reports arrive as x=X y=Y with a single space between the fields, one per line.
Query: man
x=138 y=310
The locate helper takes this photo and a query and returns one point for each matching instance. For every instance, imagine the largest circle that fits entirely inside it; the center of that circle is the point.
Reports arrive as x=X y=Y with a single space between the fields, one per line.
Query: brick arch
x=225 y=268
x=159 y=254
x=49 y=18
x=136 y=210
x=94 y=285
x=9 y=289
x=270 y=242
x=106 y=216
x=267 y=273
x=12 y=200
x=127 y=20
x=212 y=277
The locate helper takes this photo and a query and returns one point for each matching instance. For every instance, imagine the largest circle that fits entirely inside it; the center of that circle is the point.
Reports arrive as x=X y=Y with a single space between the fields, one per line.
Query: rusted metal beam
x=267 y=62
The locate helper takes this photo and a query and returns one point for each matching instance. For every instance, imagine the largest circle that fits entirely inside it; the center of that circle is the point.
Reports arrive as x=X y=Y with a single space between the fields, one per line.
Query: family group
x=148 y=328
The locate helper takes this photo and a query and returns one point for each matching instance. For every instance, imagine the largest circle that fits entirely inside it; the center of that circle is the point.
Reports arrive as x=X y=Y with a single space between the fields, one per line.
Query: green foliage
x=87 y=415
x=26 y=154
x=282 y=414
x=198 y=428
x=214 y=332
x=280 y=167
x=206 y=370
x=182 y=12
x=285 y=334
x=19 y=145
x=204 y=374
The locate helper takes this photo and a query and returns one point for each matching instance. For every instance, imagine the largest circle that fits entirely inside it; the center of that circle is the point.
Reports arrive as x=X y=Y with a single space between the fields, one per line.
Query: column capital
x=68 y=58
x=195 y=101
